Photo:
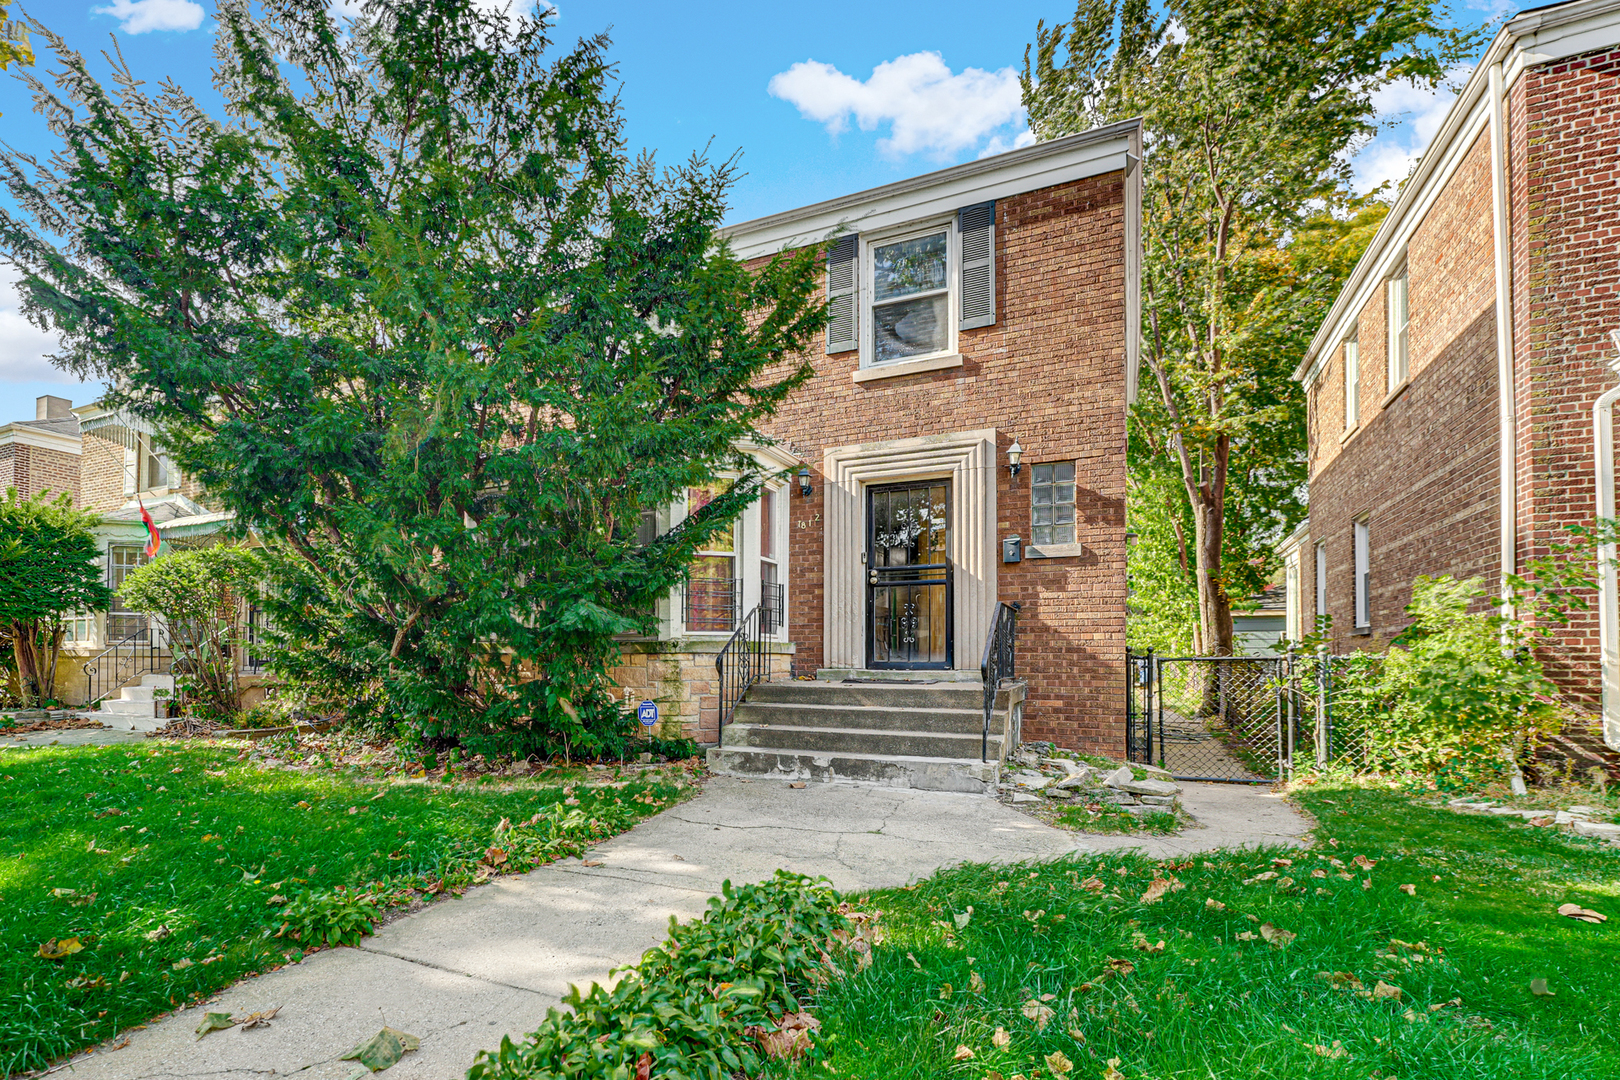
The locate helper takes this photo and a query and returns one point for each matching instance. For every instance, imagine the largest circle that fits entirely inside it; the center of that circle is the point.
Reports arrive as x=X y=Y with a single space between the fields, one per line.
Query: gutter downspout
x=1608 y=600
x=1507 y=493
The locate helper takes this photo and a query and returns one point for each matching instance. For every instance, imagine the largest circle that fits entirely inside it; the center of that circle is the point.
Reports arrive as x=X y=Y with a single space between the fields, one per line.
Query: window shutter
x=843 y=316
x=977 y=226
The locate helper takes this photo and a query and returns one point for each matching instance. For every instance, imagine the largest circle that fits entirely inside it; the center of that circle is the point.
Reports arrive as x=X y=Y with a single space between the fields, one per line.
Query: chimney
x=52 y=408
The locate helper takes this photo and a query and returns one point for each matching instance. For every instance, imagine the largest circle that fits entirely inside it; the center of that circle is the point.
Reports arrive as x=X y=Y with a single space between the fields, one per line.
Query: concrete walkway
x=70 y=737
x=463 y=973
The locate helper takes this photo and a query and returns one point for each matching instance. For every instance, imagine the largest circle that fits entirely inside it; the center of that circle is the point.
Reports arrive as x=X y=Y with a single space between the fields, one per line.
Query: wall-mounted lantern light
x=804 y=481
x=1015 y=458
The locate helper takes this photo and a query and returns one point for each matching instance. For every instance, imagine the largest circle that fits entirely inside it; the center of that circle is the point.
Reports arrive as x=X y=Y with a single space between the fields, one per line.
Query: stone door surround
x=968 y=458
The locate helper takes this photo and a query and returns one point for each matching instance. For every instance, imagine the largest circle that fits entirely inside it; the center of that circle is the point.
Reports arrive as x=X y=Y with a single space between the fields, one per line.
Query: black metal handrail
x=105 y=672
x=1000 y=662
x=743 y=661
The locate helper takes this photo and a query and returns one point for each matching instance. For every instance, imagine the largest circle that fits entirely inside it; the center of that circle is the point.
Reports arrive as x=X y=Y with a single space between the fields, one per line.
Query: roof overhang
x=1534 y=37
x=1043 y=164
x=112 y=425
x=22 y=434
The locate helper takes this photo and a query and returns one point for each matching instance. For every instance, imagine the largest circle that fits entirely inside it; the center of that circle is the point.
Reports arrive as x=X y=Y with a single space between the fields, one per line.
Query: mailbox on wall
x=1012 y=549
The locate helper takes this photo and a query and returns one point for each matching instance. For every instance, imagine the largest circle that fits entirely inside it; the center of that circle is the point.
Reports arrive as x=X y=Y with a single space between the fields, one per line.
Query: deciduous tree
x=1250 y=111
x=47 y=571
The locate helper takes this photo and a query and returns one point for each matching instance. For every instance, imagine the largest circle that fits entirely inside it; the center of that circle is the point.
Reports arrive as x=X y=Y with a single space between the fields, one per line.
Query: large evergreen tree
x=1250 y=109
x=413 y=314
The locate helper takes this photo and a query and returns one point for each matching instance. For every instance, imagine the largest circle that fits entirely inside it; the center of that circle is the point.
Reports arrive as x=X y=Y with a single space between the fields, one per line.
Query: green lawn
x=1068 y=970
x=170 y=865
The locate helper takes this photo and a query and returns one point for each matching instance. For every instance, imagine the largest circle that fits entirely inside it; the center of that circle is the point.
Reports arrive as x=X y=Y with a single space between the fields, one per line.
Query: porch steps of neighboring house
x=135 y=707
x=901 y=733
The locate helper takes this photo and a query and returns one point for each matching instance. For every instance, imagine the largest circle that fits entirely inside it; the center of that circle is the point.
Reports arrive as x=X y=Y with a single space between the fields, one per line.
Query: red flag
x=153 y=539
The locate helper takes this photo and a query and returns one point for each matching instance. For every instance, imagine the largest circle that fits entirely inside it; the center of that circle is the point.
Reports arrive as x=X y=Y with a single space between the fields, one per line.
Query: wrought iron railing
x=744 y=660
x=772 y=607
x=1000 y=662
x=140 y=652
x=712 y=604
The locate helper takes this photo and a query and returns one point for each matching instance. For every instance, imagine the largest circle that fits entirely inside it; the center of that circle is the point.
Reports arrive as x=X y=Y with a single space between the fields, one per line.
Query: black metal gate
x=1209 y=717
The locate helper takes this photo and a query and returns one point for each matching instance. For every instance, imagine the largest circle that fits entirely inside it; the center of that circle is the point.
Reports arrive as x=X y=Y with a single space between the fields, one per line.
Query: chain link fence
x=1247 y=719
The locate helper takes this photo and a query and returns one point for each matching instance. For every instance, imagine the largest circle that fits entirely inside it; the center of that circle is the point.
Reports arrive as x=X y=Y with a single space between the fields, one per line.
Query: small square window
x=1051 y=503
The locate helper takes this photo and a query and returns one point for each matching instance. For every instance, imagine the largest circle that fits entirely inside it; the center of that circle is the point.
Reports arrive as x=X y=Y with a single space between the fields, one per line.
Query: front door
x=908 y=575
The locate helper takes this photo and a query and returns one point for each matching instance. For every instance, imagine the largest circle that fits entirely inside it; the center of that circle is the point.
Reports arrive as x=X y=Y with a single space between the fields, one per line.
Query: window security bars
x=712 y=604
x=772 y=607
x=1000 y=662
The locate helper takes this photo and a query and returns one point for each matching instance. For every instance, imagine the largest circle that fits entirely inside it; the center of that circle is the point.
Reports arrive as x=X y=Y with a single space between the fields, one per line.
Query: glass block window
x=1051 y=496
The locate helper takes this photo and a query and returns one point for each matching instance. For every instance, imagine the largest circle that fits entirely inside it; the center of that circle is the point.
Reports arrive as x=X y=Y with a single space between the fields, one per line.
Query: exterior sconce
x=804 y=481
x=1015 y=458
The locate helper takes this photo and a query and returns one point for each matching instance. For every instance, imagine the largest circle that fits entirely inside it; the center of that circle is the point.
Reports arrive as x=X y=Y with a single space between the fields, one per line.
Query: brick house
x=1451 y=386
x=961 y=444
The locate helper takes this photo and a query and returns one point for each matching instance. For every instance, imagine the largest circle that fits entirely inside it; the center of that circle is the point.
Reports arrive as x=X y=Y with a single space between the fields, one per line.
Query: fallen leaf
x=182 y=963
x=1282 y=862
x=1214 y=904
x=1112 y=1071
x=382 y=1049
x=1041 y=1014
x=592 y=862
x=1246 y=935
x=1059 y=1065
x=158 y=935
x=797 y=784
x=964 y=918
x=1000 y=1039
x=1077 y=1035
x=1267 y=876
x=1121 y=967
x=790 y=1040
x=976 y=983
x=1158 y=887
x=495 y=856
x=1276 y=935
x=1093 y=884
x=1382 y=989
x=1575 y=911
x=1538 y=987
x=1140 y=942
x=1409 y=890
x=1337 y=1050
x=56 y=950
x=963 y=1053
x=1364 y=862
x=214 y=1021
x=945 y=991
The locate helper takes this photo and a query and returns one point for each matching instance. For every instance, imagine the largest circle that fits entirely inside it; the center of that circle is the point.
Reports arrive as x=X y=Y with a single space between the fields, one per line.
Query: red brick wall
x=1050 y=372
x=32 y=470
x=1566 y=146
x=102 y=475
x=1424 y=471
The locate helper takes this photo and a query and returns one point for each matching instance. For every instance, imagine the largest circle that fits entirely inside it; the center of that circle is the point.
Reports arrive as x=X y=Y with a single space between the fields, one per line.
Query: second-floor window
x=1398 y=335
x=911 y=296
x=1352 y=383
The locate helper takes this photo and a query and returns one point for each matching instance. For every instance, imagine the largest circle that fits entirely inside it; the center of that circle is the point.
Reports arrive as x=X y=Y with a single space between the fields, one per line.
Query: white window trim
x=1321 y=605
x=946 y=357
x=1363 y=571
x=746 y=559
x=1352 y=382
x=1398 y=366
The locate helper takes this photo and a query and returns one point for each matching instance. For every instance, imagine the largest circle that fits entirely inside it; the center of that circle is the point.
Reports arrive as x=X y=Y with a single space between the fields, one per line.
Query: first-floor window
x=79 y=628
x=770 y=580
x=122 y=560
x=1321 y=584
x=1051 y=504
x=1363 y=576
x=712 y=592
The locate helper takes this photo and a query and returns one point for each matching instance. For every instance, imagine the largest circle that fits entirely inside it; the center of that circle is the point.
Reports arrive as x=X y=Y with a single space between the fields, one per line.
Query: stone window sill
x=1347 y=436
x=908 y=367
x=1055 y=551
x=1361 y=631
x=1395 y=393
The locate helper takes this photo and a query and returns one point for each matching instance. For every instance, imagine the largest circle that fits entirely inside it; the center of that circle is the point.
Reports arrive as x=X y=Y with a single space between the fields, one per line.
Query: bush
x=336 y=917
x=704 y=1004
x=1460 y=695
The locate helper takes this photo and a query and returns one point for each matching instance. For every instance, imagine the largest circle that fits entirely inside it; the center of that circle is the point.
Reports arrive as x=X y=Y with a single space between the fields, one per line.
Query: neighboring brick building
x=975 y=308
x=42 y=454
x=1473 y=338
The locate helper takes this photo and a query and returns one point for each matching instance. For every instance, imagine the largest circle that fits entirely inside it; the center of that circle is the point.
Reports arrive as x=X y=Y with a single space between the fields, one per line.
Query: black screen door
x=908 y=576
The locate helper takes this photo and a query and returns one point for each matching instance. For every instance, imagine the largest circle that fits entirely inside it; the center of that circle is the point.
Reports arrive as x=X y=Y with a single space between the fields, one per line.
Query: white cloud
x=23 y=345
x=928 y=109
x=140 y=16
x=1419 y=112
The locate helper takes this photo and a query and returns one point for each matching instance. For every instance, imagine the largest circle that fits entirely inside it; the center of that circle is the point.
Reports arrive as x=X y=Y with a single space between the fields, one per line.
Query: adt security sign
x=647 y=713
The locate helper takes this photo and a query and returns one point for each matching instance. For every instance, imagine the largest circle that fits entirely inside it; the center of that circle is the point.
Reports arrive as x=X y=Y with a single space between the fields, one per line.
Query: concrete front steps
x=898 y=732
x=135 y=708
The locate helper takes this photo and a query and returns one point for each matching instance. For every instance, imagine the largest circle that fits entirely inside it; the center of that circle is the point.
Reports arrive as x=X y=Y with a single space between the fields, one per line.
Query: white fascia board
x=23 y=435
x=1045 y=164
x=772 y=455
x=1532 y=39
x=1293 y=539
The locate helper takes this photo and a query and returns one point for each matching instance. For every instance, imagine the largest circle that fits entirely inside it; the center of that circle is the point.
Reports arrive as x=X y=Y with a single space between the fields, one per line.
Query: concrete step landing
x=909 y=733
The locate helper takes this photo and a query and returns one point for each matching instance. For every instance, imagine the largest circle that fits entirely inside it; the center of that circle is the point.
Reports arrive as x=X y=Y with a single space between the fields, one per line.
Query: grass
x=170 y=866
x=1065 y=958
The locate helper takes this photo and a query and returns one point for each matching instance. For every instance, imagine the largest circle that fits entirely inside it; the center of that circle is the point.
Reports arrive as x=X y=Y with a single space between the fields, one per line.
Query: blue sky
x=821 y=99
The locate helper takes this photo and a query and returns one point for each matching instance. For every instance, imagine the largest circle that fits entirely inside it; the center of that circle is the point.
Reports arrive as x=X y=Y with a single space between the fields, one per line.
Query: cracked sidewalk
x=466 y=972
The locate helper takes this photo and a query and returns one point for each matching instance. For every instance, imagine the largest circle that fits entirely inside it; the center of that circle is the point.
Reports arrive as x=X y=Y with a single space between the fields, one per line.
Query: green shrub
x=696 y=1005
x=336 y=917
